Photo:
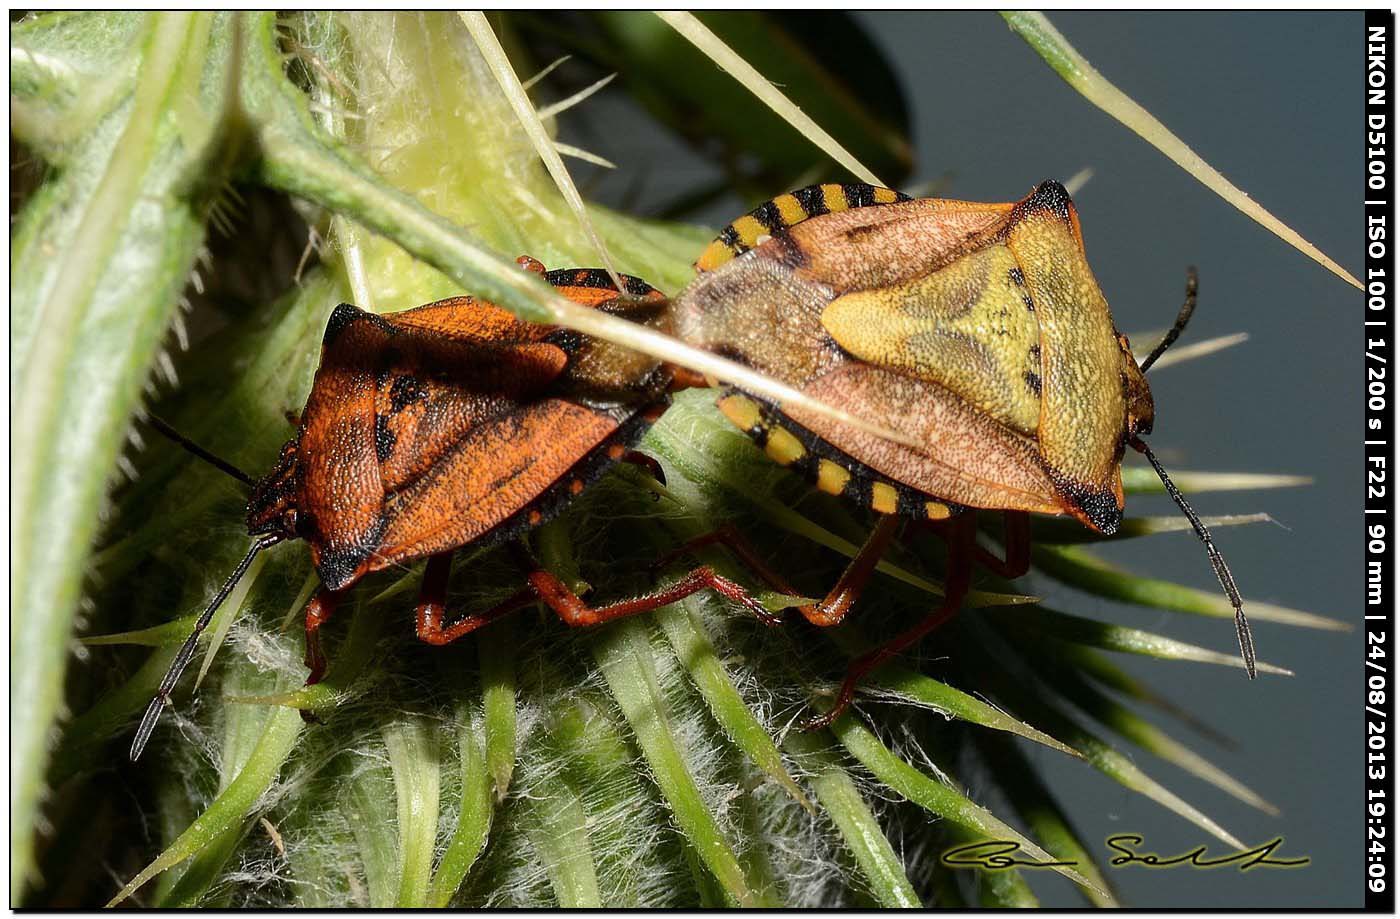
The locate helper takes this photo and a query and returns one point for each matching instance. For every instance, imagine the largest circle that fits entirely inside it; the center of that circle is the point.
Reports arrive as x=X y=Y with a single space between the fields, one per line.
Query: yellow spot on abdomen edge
x=749 y=230
x=884 y=498
x=831 y=478
x=835 y=198
x=742 y=412
x=790 y=210
x=783 y=448
x=715 y=254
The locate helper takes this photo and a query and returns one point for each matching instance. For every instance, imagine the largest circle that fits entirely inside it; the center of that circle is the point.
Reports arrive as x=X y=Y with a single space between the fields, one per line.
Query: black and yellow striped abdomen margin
x=788 y=210
x=829 y=469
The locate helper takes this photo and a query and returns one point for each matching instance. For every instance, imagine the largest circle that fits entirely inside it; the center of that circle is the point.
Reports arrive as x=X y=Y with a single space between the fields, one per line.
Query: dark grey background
x=1274 y=102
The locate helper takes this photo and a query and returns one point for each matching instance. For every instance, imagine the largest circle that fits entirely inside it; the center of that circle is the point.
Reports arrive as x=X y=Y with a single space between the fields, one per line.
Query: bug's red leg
x=652 y=467
x=531 y=264
x=432 y=631
x=729 y=537
x=542 y=585
x=432 y=594
x=1016 y=543
x=432 y=605
x=682 y=378
x=842 y=597
x=318 y=613
x=833 y=608
x=961 y=534
x=576 y=612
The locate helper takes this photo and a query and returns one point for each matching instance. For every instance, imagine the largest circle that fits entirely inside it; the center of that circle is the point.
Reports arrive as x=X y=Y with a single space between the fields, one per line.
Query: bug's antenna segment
x=1222 y=572
x=217 y=462
x=1183 y=317
x=187 y=650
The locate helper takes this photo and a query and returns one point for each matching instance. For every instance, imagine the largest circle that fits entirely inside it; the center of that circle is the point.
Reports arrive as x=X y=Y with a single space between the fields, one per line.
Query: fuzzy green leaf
x=697 y=655
x=99 y=260
x=233 y=804
x=473 y=818
x=1140 y=480
x=935 y=796
x=559 y=831
x=1015 y=693
x=843 y=803
x=1038 y=620
x=1136 y=729
x=1061 y=531
x=1078 y=73
x=1016 y=775
x=497 y=659
x=413 y=760
x=625 y=655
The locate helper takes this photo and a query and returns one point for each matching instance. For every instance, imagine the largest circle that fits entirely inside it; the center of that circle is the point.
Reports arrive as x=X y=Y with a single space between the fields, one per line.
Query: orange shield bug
x=448 y=425
x=977 y=328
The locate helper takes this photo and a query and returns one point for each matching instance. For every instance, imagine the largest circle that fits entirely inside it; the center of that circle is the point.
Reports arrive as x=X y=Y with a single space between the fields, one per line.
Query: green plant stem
x=99 y=262
x=473 y=819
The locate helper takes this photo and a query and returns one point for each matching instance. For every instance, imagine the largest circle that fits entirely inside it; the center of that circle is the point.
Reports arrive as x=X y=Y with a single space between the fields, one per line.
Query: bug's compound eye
x=1136 y=392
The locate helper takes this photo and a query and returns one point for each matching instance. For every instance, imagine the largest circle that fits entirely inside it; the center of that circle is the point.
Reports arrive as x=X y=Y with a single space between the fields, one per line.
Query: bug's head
x=1135 y=388
x=272 y=508
x=1140 y=422
x=1136 y=392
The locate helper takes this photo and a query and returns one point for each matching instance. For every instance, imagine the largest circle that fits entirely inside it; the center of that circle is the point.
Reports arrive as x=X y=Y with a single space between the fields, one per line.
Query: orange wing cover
x=427 y=429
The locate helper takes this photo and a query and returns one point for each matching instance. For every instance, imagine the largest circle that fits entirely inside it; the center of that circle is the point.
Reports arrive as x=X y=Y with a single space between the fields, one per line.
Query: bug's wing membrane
x=970 y=327
x=963 y=452
x=492 y=473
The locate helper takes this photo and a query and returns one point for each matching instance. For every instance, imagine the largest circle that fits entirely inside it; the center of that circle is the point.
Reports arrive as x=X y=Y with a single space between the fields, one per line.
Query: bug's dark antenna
x=186 y=653
x=217 y=462
x=1227 y=580
x=1182 y=318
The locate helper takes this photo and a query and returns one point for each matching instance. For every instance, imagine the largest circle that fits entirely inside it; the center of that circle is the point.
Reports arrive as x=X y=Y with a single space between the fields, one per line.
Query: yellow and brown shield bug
x=977 y=328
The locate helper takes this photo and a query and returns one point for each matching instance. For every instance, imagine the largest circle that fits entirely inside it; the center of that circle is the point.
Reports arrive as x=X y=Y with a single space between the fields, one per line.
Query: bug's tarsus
x=647 y=464
x=1182 y=317
x=223 y=465
x=1222 y=571
x=186 y=653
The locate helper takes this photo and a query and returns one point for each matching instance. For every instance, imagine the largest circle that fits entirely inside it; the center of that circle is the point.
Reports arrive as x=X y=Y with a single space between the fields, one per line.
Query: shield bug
x=448 y=425
x=977 y=328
